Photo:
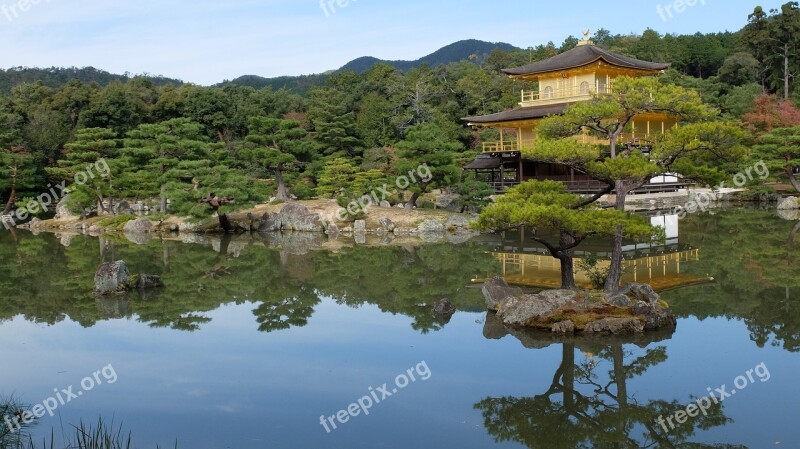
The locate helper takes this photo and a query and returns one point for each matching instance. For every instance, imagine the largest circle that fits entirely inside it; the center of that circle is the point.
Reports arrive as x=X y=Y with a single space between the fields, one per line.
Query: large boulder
x=443 y=310
x=111 y=277
x=138 y=226
x=360 y=226
x=615 y=326
x=788 y=203
x=387 y=224
x=269 y=222
x=296 y=243
x=138 y=238
x=497 y=291
x=296 y=217
x=457 y=222
x=655 y=316
x=526 y=310
x=632 y=293
x=791 y=215
x=123 y=207
x=430 y=227
x=332 y=230
x=62 y=212
x=189 y=227
x=148 y=281
x=563 y=328
x=449 y=201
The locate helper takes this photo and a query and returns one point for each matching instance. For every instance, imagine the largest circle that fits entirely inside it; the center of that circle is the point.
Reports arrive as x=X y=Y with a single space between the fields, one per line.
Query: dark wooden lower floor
x=508 y=170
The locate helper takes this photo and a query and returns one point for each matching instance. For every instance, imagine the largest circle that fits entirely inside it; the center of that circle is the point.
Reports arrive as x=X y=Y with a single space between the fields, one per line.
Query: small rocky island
x=636 y=308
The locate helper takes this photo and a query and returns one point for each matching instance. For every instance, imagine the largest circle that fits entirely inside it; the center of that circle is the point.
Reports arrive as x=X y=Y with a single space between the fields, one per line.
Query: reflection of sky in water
x=228 y=385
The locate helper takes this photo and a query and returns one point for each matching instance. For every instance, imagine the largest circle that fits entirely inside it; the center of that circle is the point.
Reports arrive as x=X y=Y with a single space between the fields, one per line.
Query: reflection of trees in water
x=754 y=257
x=585 y=407
x=48 y=282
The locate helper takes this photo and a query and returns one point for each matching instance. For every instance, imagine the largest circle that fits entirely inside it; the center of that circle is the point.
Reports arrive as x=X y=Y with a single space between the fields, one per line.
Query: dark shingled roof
x=528 y=113
x=484 y=163
x=583 y=55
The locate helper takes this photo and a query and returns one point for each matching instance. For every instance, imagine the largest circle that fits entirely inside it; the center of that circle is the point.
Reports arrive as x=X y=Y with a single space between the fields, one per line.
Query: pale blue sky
x=205 y=41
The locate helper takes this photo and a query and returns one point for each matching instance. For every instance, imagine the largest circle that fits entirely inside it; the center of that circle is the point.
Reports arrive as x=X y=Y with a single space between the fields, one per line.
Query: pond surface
x=259 y=342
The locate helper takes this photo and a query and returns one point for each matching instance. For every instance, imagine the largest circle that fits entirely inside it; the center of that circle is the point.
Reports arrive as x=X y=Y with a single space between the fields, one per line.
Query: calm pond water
x=254 y=339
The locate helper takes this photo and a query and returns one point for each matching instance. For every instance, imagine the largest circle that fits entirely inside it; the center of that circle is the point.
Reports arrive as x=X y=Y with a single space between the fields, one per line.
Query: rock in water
x=148 y=281
x=615 y=326
x=62 y=212
x=789 y=203
x=529 y=309
x=430 y=227
x=497 y=291
x=791 y=215
x=655 y=316
x=111 y=277
x=386 y=224
x=269 y=222
x=296 y=217
x=332 y=230
x=138 y=226
x=631 y=293
x=563 y=328
x=443 y=307
x=457 y=222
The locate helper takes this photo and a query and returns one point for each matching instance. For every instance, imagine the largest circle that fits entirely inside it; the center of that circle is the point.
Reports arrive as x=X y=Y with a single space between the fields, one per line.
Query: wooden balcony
x=569 y=94
x=501 y=146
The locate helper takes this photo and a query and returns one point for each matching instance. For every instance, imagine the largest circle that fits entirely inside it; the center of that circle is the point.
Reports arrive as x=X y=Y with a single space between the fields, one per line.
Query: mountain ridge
x=469 y=49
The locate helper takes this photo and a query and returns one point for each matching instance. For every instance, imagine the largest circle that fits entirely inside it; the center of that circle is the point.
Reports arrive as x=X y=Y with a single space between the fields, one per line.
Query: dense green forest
x=337 y=134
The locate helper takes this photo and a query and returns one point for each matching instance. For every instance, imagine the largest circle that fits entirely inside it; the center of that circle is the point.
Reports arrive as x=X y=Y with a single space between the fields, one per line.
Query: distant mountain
x=299 y=84
x=470 y=49
x=55 y=77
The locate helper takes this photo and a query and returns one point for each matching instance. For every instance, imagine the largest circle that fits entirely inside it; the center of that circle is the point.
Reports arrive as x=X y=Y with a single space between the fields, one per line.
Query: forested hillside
x=471 y=50
x=56 y=77
x=337 y=134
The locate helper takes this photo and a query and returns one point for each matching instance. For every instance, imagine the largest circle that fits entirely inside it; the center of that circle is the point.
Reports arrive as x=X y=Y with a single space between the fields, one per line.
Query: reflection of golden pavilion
x=658 y=265
x=662 y=271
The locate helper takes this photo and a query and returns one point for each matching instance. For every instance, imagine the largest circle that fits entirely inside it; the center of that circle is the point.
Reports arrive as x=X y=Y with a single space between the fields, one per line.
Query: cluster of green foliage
x=277 y=274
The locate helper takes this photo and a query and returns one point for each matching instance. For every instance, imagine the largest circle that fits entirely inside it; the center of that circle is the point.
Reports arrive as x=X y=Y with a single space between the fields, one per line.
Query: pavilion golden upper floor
x=575 y=75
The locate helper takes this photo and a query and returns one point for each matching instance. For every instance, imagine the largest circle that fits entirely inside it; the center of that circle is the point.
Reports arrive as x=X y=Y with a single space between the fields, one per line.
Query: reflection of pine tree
x=281 y=311
x=593 y=411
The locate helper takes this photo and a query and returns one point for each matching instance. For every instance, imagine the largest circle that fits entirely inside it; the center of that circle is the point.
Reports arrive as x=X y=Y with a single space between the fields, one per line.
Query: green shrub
x=344 y=201
x=117 y=221
x=596 y=275
x=304 y=191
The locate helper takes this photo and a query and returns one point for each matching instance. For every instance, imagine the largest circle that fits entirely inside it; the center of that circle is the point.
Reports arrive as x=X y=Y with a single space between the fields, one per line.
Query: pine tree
x=278 y=146
x=545 y=207
x=334 y=124
x=426 y=151
x=90 y=157
x=780 y=150
x=158 y=149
